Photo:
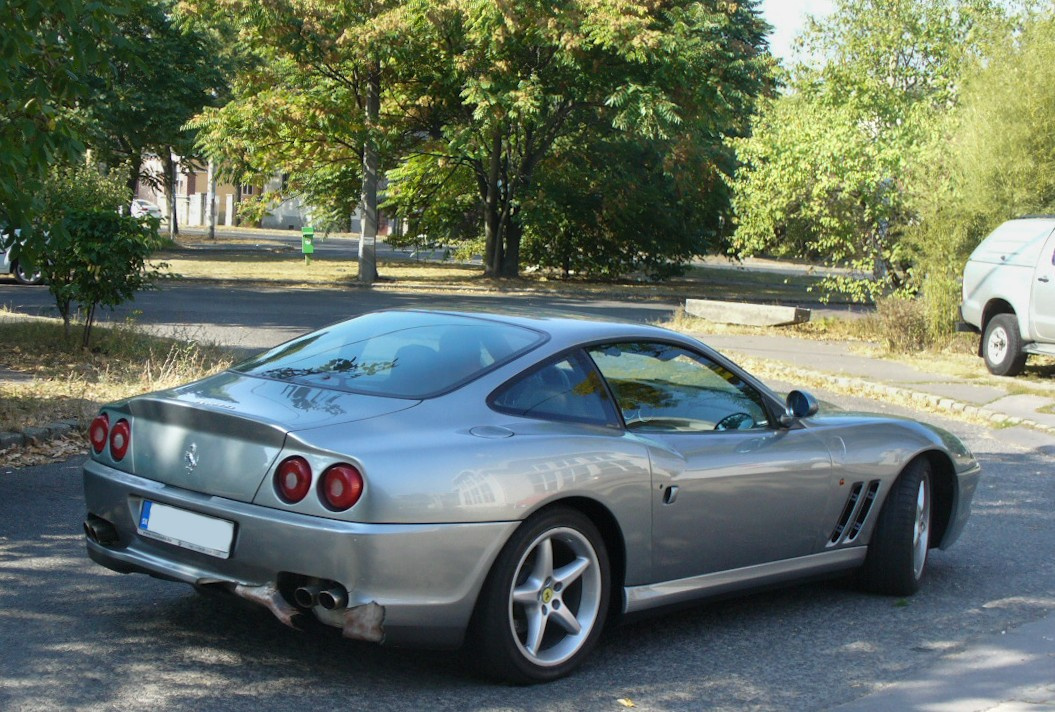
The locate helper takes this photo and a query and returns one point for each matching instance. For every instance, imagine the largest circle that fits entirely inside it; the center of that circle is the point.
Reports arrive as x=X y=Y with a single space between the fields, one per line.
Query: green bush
x=89 y=251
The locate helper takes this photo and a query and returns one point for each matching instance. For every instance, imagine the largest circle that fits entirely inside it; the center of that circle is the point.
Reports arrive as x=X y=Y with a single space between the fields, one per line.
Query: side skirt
x=665 y=593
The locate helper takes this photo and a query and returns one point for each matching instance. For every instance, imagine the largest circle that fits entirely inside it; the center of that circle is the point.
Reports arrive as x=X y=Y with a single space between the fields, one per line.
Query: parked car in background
x=141 y=208
x=14 y=266
x=433 y=478
x=1009 y=293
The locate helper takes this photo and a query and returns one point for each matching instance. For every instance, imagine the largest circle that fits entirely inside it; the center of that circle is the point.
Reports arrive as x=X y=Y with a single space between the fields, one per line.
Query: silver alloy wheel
x=921 y=529
x=555 y=598
x=26 y=277
x=996 y=346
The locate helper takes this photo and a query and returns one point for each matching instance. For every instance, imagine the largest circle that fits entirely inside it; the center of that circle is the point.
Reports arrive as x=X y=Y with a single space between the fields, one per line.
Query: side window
x=665 y=388
x=564 y=390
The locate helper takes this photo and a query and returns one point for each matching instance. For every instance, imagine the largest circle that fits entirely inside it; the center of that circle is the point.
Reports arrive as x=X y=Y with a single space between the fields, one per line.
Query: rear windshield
x=401 y=354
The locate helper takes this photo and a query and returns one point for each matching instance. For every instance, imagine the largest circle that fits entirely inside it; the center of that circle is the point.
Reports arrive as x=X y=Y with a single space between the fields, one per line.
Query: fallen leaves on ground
x=57 y=449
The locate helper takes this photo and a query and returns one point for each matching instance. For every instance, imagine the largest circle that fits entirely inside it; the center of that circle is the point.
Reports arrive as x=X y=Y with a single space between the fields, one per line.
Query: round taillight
x=120 y=439
x=98 y=431
x=340 y=487
x=293 y=479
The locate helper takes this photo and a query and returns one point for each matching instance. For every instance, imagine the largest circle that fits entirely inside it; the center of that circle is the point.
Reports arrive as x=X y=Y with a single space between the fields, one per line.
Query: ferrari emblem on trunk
x=191 y=458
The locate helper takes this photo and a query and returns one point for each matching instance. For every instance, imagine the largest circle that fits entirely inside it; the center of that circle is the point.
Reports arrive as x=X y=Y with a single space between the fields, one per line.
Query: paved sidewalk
x=843 y=367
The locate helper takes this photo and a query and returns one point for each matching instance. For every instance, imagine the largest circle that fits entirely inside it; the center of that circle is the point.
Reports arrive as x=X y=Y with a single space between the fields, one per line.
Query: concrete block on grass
x=746 y=313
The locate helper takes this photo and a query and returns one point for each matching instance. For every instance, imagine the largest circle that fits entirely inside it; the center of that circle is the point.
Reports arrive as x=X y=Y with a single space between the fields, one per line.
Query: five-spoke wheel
x=545 y=602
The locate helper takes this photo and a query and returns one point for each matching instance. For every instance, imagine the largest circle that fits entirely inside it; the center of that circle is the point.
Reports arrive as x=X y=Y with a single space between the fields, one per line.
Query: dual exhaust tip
x=330 y=596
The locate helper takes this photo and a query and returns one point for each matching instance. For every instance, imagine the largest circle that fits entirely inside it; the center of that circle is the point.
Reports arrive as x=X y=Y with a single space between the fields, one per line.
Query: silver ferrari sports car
x=431 y=479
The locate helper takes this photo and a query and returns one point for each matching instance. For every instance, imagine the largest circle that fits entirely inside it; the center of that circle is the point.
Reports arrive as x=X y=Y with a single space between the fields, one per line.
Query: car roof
x=567 y=330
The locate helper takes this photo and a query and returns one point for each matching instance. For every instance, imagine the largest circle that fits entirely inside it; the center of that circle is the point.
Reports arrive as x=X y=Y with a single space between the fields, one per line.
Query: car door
x=730 y=488
x=1042 y=297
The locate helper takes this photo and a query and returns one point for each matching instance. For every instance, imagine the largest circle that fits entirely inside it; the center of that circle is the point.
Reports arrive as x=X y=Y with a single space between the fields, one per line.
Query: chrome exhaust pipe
x=307 y=596
x=333 y=598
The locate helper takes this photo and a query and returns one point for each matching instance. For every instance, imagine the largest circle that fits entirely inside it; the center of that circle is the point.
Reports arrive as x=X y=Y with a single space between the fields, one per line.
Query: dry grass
x=233 y=260
x=288 y=268
x=52 y=379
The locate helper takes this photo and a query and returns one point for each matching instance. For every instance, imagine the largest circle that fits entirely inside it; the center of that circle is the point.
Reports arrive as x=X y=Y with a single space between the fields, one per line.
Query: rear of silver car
x=208 y=514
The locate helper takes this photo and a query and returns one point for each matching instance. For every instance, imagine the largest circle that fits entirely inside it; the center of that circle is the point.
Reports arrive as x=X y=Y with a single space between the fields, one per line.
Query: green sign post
x=307 y=242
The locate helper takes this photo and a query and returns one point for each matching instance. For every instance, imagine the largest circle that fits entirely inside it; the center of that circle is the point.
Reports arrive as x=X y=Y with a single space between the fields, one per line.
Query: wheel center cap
x=547 y=595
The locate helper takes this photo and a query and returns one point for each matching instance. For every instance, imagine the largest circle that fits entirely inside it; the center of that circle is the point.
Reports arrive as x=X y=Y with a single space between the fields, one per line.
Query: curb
x=32 y=435
x=860 y=387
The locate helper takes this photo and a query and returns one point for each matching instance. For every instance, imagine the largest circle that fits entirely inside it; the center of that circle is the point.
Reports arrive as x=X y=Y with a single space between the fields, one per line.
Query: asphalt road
x=259 y=317
x=74 y=635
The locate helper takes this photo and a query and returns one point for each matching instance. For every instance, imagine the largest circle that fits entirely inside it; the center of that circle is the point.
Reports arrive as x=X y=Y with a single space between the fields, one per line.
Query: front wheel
x=897 y=554
x=1002 y=346
x=543 y=607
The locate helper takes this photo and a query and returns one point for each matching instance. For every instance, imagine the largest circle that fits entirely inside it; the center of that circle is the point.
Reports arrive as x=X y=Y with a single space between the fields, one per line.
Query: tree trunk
x=136 y=165
x=169 y=182
x=368 y=233
x=492 y=214
x=511 y=256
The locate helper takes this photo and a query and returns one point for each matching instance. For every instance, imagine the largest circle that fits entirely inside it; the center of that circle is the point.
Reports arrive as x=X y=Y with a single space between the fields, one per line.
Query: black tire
x=24 y=277
x=897 y=555
x=522 y=628
x=1002 y=346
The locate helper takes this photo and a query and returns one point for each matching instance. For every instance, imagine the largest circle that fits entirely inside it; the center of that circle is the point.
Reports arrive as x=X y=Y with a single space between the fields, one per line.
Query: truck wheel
x=1002 y=346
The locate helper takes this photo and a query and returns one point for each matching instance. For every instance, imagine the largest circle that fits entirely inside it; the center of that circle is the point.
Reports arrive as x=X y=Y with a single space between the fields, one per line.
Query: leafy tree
x=992 y=160
x=823 y=173
x=48 y=52
x=93 y=256
x=609 y=207
x=475 y=101
x=509 y=85
x=309 y=104
x=165 y=70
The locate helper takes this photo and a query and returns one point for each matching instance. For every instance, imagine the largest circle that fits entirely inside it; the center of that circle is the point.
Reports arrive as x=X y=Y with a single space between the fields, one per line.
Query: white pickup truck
x=1009 y=293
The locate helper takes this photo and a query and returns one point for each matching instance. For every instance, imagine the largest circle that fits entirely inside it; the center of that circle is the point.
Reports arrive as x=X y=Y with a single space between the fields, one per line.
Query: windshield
x=401 y=354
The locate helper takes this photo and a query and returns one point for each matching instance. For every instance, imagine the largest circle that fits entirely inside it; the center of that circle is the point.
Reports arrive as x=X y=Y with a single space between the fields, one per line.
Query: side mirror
x=799 y=404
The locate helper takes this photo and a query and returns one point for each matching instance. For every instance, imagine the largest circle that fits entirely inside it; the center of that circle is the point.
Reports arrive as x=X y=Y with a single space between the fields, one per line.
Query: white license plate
x=196 y=532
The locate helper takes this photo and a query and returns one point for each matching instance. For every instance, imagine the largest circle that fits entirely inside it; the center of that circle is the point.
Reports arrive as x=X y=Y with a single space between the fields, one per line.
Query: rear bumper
x=426 y=577
x=962 y=325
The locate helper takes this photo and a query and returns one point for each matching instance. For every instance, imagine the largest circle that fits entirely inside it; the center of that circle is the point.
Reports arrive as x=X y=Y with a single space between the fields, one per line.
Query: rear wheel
x=24 y=276
x=897 y=555
x=544 y=604
x=1002 y=346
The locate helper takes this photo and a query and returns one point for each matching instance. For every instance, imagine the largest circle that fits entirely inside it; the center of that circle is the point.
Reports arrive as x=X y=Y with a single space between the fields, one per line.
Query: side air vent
x=863 y=512
x=848 y=510
x=855 y=513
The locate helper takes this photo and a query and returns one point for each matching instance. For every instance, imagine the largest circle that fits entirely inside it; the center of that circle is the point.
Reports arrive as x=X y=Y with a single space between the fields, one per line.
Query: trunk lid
x=220 y=436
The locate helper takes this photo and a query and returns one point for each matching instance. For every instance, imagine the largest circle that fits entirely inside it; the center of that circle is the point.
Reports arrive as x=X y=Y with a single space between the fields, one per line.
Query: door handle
x=1042 y=279
x=670 y=494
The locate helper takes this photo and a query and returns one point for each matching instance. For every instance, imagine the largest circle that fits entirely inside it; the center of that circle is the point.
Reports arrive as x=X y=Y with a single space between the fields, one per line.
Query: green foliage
x=48 y=53
x=991 y=160
x=609 y=209
x=91 y=255
x=164 y=71
x=481 y=102
x=824 y=172
x=103 y=263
